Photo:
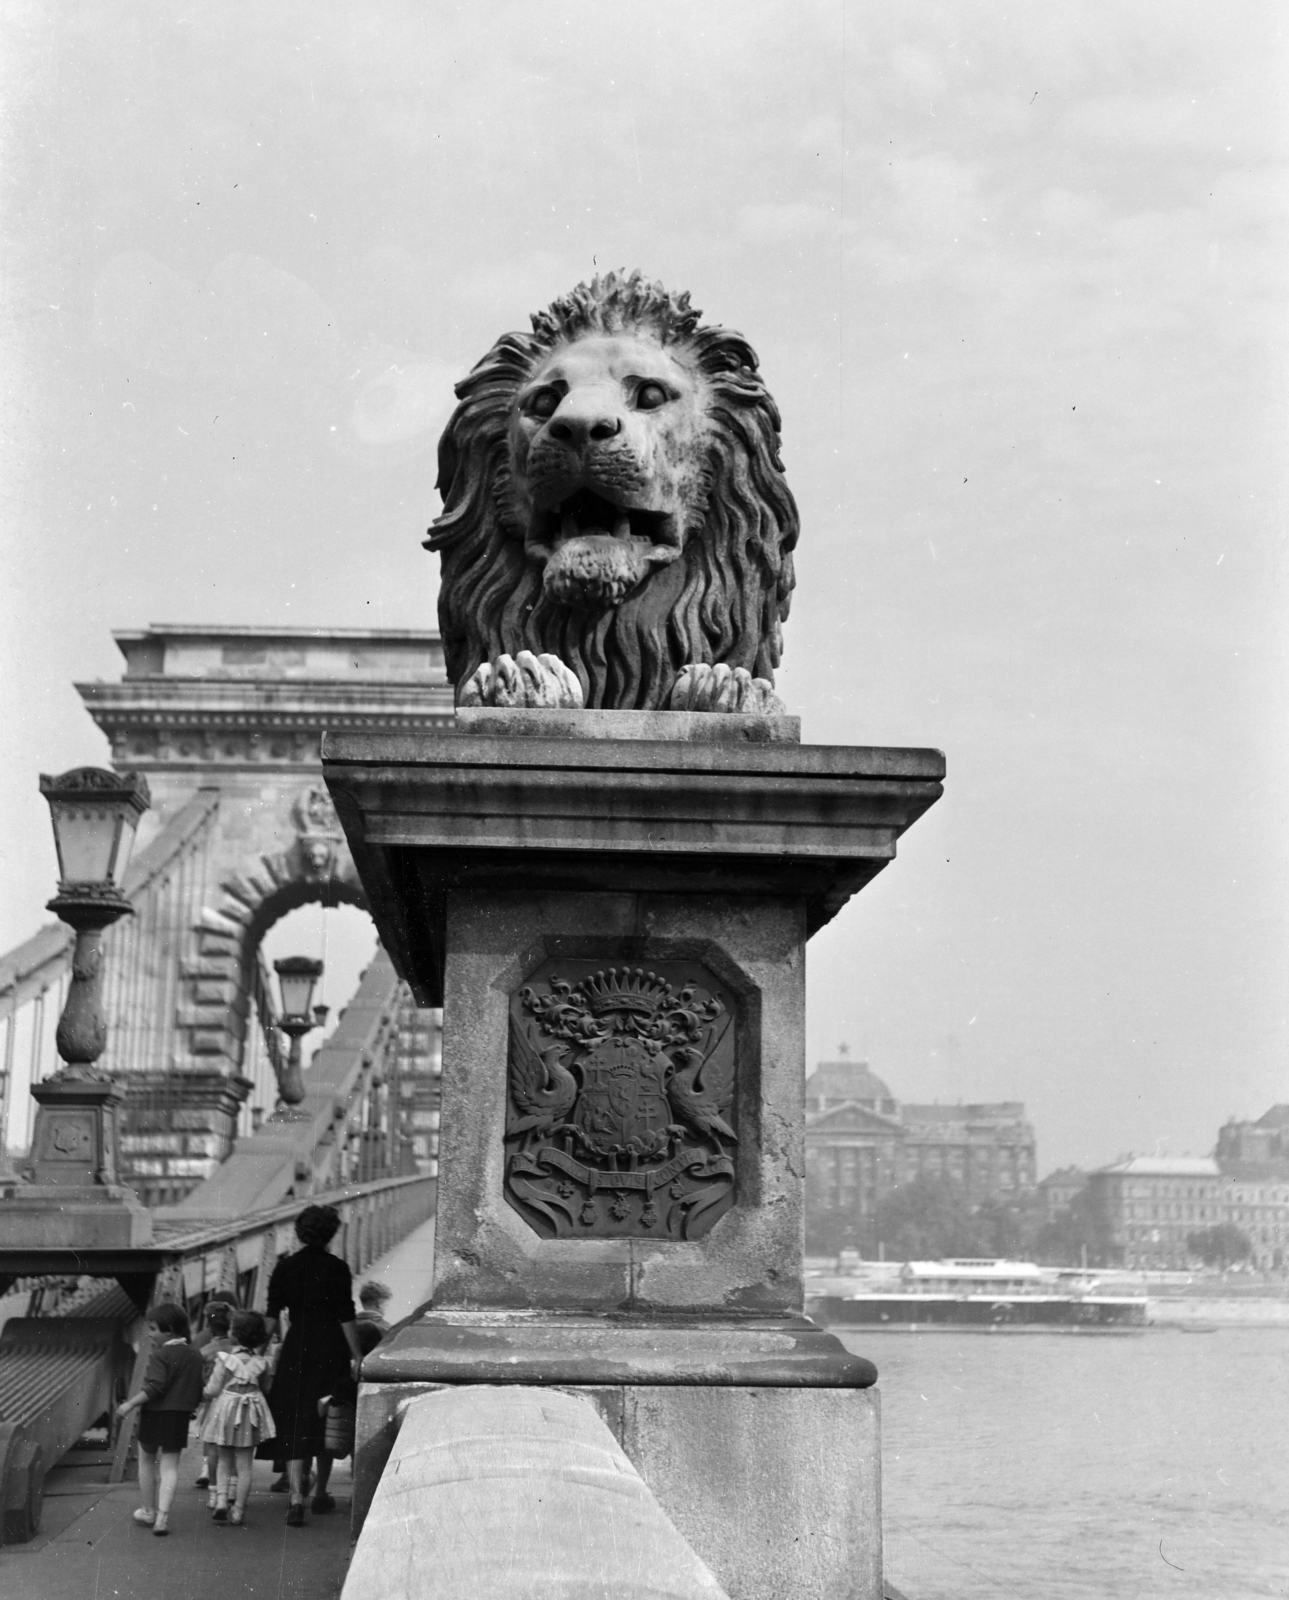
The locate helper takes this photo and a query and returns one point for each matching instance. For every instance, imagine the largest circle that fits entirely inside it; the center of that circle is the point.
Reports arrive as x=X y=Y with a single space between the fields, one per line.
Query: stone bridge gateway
x=226 y=724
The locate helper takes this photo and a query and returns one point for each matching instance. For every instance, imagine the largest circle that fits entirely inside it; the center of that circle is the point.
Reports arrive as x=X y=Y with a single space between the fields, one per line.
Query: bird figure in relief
x=700 y=1100
x=541 y=1086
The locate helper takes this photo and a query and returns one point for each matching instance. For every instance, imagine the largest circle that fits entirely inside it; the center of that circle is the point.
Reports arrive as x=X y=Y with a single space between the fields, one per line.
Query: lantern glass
x=296 y=978
x=87 y=838
x=95 y=815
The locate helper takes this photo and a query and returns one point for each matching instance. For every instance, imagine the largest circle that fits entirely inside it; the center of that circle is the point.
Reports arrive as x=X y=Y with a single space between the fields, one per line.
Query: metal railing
x=67 y=1368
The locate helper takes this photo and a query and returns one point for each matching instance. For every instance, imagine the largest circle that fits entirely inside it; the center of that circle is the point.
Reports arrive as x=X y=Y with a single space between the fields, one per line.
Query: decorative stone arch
x=316 y=868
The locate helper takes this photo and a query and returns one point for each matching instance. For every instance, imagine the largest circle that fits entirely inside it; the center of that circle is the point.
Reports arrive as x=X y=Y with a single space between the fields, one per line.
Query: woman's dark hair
x=317 y=1224
x=171 y=1319
x=218 y=1315
x=222 y=1297
x=249 y=1329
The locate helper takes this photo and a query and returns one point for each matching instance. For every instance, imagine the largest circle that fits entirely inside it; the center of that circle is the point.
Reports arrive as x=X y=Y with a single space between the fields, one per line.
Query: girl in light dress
x=238 y=1416
x=216 y=1337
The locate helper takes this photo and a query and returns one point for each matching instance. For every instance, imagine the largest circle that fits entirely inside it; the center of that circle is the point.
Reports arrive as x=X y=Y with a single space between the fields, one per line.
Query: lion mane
x=724 y=600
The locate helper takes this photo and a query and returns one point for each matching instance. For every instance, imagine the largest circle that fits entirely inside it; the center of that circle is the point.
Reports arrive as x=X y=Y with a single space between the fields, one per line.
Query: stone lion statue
x=616 y=529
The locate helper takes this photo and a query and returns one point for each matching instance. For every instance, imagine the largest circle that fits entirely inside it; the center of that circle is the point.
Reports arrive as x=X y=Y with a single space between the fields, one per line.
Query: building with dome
x=861 y=1143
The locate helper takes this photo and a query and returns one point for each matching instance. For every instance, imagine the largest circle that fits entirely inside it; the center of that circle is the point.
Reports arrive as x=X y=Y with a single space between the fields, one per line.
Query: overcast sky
x=1017 y=279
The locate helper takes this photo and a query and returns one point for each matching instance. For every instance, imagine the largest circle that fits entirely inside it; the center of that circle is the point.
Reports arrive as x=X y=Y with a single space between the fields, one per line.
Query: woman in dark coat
x=319 y=1354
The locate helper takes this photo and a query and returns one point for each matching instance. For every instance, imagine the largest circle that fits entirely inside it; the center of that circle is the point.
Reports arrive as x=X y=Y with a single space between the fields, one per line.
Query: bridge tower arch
x=226 y=725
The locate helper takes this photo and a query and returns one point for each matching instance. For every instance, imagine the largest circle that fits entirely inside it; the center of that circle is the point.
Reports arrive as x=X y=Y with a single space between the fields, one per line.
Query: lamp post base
x=74 y=1198
x=44 y=1216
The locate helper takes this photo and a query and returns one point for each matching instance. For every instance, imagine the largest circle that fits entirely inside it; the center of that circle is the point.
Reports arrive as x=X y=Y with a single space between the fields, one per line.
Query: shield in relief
x=620 y=1120
x=623 y=1105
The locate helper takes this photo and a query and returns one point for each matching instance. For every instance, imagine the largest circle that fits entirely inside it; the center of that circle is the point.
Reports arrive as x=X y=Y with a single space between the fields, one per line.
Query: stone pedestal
x=73 y=1199
x=612 y=908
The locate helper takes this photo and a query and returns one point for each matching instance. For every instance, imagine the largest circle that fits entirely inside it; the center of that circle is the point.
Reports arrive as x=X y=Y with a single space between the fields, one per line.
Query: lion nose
x=579 y=425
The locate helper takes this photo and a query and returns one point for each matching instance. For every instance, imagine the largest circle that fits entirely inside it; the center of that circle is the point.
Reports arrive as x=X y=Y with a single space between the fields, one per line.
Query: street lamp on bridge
x=95 y=816
x=296 y=977
x=73 y=1196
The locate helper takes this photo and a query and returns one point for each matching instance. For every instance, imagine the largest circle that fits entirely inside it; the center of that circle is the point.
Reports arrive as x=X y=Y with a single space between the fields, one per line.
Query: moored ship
x=987 y=1294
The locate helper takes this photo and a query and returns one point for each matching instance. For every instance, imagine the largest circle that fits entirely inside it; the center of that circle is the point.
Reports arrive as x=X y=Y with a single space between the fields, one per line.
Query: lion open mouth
x=586 y=513
x=597 y=552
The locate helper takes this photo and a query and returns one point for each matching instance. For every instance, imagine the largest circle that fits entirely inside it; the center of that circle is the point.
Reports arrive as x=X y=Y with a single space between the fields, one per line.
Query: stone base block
x=777 y=1490
x=51 y=1217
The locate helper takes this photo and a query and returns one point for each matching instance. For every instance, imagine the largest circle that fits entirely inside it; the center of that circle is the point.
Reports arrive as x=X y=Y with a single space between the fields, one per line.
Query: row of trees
x=926 y=1219
x=930 y=1218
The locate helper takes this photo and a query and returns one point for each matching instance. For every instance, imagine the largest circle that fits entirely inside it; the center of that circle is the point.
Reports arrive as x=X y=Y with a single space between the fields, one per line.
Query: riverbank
x=1197 y=1310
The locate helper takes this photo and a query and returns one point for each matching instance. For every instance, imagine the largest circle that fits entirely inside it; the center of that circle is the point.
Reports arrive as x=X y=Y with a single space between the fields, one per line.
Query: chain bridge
x=225 y=724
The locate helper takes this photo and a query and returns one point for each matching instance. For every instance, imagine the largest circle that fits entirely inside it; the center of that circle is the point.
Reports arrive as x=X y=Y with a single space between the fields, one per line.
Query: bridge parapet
x=517 y=1492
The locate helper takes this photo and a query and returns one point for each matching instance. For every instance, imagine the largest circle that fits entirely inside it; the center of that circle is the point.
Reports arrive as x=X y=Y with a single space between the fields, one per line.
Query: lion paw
x=721 y=688
x=523 y=680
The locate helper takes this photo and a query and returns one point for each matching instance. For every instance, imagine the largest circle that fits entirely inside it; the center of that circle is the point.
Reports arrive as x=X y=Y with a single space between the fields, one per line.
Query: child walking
x=238 y=1417
x=171 y=1393
x=218 y=1320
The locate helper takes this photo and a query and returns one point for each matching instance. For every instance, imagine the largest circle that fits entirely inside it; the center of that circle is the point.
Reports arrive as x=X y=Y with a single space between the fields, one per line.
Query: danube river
x=1089 y=1467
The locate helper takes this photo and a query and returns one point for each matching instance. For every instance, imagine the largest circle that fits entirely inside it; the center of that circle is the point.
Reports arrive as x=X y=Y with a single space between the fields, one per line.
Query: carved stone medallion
x=620 y=1114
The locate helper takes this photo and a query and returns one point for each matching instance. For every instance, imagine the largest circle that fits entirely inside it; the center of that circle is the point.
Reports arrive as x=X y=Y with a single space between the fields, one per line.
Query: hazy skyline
x=1017 y=282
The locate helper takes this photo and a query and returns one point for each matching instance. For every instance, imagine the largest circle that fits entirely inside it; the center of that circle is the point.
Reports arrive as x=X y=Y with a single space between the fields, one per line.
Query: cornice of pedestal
x=702 y=814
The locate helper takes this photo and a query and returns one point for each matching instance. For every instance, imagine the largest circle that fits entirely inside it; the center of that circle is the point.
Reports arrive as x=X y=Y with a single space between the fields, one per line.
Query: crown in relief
x=629 y=990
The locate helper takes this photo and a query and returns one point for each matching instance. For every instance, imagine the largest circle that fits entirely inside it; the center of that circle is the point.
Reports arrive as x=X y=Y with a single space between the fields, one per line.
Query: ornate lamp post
x=297 y=976
x=95 y=815
x=74 y=1196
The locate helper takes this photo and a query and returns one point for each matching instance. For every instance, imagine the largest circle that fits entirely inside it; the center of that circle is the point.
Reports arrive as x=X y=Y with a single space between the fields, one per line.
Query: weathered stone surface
x=685 y=727
x=423 y=815
x=776 y=1488
x=550 y=1347
x=41 y=1217
x=488 y=1255
x=590 y=513
x=498 y=860
x=517 y=1494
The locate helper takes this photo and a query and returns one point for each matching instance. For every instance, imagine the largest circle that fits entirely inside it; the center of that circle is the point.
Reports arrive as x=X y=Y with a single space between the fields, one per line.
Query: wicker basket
x=340 y=1430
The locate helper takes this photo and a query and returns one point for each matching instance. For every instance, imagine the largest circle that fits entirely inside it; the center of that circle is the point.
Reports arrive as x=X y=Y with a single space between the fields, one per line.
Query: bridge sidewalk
x=90 y=1546
x=405 y=1271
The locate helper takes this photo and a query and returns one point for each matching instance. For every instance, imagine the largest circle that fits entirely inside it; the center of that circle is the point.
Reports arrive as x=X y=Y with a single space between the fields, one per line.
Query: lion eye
x=649 y=396
x=544 y=403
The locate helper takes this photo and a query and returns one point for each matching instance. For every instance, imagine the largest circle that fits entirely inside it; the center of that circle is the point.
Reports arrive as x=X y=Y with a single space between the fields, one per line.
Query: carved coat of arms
x=621 y=1092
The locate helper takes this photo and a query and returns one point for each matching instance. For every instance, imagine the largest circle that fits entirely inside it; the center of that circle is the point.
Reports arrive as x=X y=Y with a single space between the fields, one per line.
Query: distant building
x=987 y=1147
x=1060 y=1189
x=1145 y=1207
x=861 y=1144
x=415 y=1085
x=1256 y=1149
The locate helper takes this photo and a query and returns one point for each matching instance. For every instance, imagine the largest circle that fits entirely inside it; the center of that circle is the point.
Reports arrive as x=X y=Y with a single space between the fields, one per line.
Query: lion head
x=613 y=495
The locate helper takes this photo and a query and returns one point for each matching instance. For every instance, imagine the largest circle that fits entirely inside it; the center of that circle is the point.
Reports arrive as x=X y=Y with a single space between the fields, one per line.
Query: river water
x=1058 y=1467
